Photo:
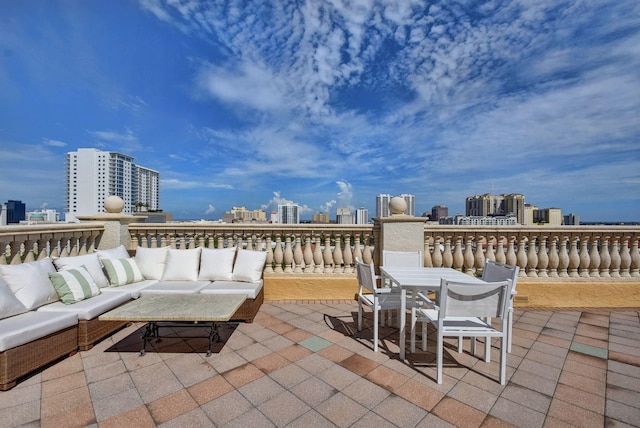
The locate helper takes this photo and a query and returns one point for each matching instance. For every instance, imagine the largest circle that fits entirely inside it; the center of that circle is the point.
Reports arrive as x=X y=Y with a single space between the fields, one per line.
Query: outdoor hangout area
x=108 y=323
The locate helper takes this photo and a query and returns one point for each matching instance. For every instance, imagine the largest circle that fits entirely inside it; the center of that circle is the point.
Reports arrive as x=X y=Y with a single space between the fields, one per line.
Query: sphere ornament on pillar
x=397 y=205
x=113 y=204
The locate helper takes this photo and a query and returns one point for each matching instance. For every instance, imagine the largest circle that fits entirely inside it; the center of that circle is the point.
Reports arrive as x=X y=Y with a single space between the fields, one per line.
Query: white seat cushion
x=251 y=289
x=133 y=289
x=91 y=308
x=90 y=261
x=174 y=287
x=27 y=327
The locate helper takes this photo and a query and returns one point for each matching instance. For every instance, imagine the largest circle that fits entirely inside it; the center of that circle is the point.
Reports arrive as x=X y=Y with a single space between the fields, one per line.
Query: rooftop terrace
x=303 y=364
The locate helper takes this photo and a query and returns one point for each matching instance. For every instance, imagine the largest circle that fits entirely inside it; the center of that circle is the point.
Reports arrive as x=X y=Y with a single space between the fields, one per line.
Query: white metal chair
x=462 y=312
x=495 y=271
x=401 y=259
x=374 y=297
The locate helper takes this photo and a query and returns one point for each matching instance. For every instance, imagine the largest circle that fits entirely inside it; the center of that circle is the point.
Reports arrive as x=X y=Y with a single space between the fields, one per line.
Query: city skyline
x=328 y=104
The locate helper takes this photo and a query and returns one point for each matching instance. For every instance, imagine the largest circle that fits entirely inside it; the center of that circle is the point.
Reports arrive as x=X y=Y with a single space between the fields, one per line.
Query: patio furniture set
x=454 y=303
x=52 y=308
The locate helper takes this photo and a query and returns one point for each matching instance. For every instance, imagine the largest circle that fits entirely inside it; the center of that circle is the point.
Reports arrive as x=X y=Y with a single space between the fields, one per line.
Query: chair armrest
x=426 y=300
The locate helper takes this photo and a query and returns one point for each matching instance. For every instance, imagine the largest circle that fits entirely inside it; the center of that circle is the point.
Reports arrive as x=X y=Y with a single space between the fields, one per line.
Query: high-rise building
x=571 y=219
x=362 y=216
x=496 y=205
x=241 y=215
x=344 y=216
x=438 y=212
x=320 y=218
x=93 y=175
x=382 y=204
x=411 y=204
x=289 y=214
x=148 y=188
x=16 y=212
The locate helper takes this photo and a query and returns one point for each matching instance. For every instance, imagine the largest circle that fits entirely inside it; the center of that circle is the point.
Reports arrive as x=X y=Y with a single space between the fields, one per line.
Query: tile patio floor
x=302 y=364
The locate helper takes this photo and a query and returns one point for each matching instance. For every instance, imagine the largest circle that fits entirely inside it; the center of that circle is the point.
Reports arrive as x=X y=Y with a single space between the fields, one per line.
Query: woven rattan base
x=91 y=331
x=249 y=308
x=22 y=360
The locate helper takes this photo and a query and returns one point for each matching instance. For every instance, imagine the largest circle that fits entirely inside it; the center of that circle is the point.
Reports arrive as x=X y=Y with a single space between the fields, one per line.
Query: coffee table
x=170 y=310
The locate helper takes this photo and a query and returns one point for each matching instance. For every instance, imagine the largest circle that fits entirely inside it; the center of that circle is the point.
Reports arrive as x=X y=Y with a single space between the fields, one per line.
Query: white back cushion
x=29 y=282
x=151 y=261
x=249 y=265
x=182 y=265
x=119 y=252
x=91 y=262
x=217 y=264
x=9 y=304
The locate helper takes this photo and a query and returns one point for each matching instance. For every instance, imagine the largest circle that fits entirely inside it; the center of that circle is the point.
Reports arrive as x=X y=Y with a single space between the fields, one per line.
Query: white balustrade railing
x=569 y=252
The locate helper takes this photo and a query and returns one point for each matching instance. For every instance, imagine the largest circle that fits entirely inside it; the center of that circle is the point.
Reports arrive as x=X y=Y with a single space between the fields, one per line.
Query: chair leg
x=413 y=330
x=503 y=361
x=439 y=358
x=424 y=336
x=487 y=349
x=509 y=328
x=359 y=316
x=375 y=329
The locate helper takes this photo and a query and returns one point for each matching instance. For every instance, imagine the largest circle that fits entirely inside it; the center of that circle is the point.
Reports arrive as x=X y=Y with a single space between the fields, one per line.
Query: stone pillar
x=116 y=224
x=399 y=232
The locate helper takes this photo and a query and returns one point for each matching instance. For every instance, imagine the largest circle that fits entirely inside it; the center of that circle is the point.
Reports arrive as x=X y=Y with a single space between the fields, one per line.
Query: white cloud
x=210 y=209
x=53 y=143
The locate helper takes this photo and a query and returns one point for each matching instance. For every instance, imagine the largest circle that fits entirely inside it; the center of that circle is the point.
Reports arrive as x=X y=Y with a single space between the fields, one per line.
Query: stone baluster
x=366 y=253
x=357 y=248
x=635 y=258
x=615 y=257
x=173 y=239
x=82 y=244
x=436 y=257
x=594 y=256
x=347 y=255
x=91 y=242
x=490 y=253
x=29 y=251
x=543 y=258
x=338 y=260
x=554 y=260
x=479 y=256
x=468 y=259
x=218 y=240
x=268 y=267
x=308 y=254
x=501 y=257
x=65 y=247
x=458 y=256
x=317 y=254
x=426 y=253
x=288 y=255
x=521 y=255
x=625 y=258
x=563 y=257
x=532 y=257
x=447 y=255
x=278 y=255
x=73 y=246
x=584 y=257
x=605 y=258
x=328 y=255
x=298 y=255
x=16 y=254
x=43 y=251
x=510 y=257
x=4 y=249
x=54 y=247
x=574 y=258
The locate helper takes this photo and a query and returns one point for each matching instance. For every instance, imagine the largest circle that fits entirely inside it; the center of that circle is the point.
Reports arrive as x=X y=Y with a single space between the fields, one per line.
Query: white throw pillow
x=90 y=261
x=29 y=282
x=182 y=265
x=119 y=252
x=151 y=261
x=249 y=265
x=122 y=271
x=217 y=264
x=9 y=304
x=74 y=285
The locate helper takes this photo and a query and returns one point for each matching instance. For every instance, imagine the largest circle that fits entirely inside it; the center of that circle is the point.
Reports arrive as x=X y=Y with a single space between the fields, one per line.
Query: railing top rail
x=259 y=227
x=36 y=229
x=557 y=230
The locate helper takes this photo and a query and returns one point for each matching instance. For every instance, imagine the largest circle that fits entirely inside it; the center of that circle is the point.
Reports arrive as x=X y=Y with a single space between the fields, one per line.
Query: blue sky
x=328 y=103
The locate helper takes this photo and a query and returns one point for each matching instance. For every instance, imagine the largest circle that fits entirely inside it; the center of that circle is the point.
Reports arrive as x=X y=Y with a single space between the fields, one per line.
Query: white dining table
x=419 y=279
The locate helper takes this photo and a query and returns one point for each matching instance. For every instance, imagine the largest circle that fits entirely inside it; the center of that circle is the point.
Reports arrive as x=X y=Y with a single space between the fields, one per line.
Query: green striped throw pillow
x=122 y=271
x=74 y=285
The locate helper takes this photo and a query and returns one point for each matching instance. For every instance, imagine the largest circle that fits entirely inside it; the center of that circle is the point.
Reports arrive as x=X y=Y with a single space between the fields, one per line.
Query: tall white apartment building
x=93 y=175
x=382 y=204
x=362 y=216
x=344 y=216
x=148 y=188
x=288 y=214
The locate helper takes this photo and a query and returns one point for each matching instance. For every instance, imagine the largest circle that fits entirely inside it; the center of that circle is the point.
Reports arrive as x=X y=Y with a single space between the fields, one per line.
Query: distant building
x=44 y=216
x=438 y=212
x=496 y=205
x=362 y=216
x=548 y=217
x=16 y=212
x=344 y=216
x=93 y=175
x=155 y=217
x=508 y=220
x=571 y=219
x=320 y=218
x=527 y=219
x=289 y=214
x=243 y=215
x=273 y=217
x=382 y=204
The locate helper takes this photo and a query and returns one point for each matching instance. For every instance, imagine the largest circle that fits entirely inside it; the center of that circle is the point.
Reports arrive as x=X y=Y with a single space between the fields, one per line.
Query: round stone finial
x=113 y=204
x=397 y=205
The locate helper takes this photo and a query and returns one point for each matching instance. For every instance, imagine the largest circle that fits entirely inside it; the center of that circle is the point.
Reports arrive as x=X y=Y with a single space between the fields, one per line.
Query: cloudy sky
x=327 y=103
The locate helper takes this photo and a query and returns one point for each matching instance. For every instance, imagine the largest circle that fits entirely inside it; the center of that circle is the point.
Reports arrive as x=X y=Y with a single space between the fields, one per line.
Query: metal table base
x=152 y=331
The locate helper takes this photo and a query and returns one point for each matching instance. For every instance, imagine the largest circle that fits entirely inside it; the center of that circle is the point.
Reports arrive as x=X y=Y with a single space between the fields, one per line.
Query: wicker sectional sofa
x=50 y=308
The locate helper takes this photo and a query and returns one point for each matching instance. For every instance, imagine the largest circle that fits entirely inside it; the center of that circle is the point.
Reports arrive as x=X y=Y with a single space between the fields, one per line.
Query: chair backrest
x=366 y=276
x=402 y=258
x=460 y=299
x=495 y=271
